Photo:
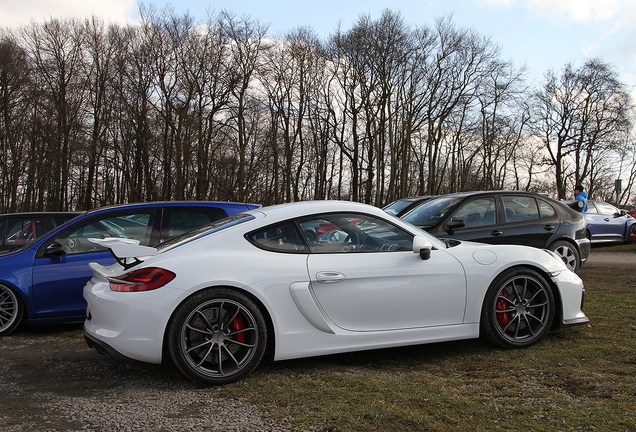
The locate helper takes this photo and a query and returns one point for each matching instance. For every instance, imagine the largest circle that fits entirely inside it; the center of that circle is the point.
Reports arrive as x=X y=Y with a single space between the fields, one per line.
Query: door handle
x=327 y=277
x=548 y=227
x=496 y=233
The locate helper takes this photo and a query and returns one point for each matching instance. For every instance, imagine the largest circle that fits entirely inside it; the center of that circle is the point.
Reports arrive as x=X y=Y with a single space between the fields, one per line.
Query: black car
x=19 y=229
x=401 y=207
x=506 y=217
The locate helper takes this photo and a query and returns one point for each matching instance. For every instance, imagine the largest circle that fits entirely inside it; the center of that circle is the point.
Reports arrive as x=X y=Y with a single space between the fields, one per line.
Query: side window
x=520 y=208
x=606 y=209
x=282 y=237
x=137 y=226
x=338 y=233
x=591 y=208
x=179 y=220
x=478 y=212
x=547 y=211
x=21 y=232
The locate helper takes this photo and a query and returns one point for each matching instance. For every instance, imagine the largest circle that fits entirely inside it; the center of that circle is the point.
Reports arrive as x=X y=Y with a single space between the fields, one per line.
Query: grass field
x=579 y=379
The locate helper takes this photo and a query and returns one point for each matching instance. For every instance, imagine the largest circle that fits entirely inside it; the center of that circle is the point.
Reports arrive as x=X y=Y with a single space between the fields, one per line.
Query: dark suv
x=506 y=217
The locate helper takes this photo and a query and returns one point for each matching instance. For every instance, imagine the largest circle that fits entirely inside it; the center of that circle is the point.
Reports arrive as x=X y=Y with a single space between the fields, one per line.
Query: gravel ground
x=51 y=381
x=613 y=258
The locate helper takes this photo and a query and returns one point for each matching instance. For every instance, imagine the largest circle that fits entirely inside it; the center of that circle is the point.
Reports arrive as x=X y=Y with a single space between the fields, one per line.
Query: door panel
x=58 y=283
x=480 y=222
x=388 y=290
x=528 y=224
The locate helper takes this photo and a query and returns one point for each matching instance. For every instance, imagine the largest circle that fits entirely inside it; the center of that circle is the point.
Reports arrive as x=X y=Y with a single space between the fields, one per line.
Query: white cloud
x=14 y=13
x=582 y=10
x=498 y=3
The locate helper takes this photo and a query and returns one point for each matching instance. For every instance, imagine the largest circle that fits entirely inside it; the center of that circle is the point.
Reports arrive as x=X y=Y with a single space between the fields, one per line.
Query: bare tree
x=247 y=43
x=14 y=109
x=56 y=49
x=463 y=60
x=100 y=58
x=579 y=115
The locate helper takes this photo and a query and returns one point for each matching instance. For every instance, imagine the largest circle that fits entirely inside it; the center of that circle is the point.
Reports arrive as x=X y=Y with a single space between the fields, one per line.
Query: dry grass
x=578 y=379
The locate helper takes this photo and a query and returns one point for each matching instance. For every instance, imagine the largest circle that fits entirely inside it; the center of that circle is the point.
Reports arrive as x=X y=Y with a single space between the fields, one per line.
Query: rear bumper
x=104 y=348
x=584 y=246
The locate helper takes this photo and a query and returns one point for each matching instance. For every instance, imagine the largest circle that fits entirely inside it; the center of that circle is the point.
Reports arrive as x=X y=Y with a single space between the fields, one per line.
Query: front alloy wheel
x=217 y=337
x=11 y=311
x=518 y=309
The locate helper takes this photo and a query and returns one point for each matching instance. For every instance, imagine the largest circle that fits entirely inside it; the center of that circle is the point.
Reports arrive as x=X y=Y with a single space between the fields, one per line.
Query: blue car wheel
x=11 y=311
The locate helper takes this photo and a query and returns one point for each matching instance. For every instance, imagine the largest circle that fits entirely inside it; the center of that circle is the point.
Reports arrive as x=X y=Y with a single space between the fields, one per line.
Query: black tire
x=568 y=254
x=11 y=311
x=632 y=230
x=518 y=309
x=217 y=336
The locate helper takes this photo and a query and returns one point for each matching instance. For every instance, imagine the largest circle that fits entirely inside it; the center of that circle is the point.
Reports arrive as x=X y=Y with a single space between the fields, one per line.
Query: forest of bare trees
x=176 y=109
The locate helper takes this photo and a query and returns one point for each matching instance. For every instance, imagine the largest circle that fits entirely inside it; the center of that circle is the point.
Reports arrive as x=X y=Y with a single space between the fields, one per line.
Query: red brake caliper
x=237 y=324
x=502 y=317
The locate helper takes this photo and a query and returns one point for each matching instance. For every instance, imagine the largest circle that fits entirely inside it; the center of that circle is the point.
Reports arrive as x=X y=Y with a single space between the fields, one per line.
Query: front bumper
x=572 y=293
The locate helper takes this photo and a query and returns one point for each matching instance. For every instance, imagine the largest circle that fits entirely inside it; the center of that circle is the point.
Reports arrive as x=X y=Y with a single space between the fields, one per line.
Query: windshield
x=206 y=230
x=428 y=213
x=396 y=207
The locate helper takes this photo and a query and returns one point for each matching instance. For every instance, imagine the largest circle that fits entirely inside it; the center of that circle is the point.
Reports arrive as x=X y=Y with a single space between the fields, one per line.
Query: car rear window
x=546 y=209
x=206 y=230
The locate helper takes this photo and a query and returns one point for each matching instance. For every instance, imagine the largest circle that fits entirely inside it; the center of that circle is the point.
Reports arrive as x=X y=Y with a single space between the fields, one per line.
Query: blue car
x=43 y=281
x=606 y=223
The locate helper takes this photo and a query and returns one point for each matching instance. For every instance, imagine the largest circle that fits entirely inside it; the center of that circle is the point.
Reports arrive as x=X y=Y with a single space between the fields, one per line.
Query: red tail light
x=145 y=279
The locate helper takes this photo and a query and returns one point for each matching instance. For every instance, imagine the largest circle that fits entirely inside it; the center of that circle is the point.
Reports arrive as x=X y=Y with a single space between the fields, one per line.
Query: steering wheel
x=353 y=240
x=72 y=246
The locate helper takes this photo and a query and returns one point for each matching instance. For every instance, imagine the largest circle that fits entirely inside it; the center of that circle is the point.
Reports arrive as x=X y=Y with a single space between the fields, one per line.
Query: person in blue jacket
x=581 y=195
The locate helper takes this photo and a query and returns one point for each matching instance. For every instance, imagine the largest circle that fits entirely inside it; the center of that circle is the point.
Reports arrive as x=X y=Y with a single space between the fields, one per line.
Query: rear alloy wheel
x=518 y=309
x=11 y=311
x=217 y=336
x=568 y=254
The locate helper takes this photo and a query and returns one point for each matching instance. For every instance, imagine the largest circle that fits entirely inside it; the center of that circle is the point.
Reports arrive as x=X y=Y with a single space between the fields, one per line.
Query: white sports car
x=314 y=278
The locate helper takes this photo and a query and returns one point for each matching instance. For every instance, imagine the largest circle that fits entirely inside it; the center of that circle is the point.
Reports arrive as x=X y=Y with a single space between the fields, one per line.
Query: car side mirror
x=422 y=247
x=54 y=249
x=453 y=225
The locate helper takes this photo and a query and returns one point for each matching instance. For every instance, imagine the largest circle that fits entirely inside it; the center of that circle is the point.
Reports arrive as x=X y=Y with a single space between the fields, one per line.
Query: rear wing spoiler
x=127 y=252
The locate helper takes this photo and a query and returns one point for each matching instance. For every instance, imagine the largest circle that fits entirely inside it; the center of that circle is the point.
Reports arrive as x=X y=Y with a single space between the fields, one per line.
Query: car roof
x=45 y=213
x=291 y=210
x=283 y=212
x=171 y=204
x=469 y=193
x=418 y=198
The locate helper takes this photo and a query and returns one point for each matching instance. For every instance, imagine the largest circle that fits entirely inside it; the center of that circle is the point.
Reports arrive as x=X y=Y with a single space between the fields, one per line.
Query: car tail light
x=145 y=279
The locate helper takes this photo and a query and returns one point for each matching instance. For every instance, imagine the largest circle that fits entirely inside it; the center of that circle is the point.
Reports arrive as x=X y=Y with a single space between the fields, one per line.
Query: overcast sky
x=542 y=34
